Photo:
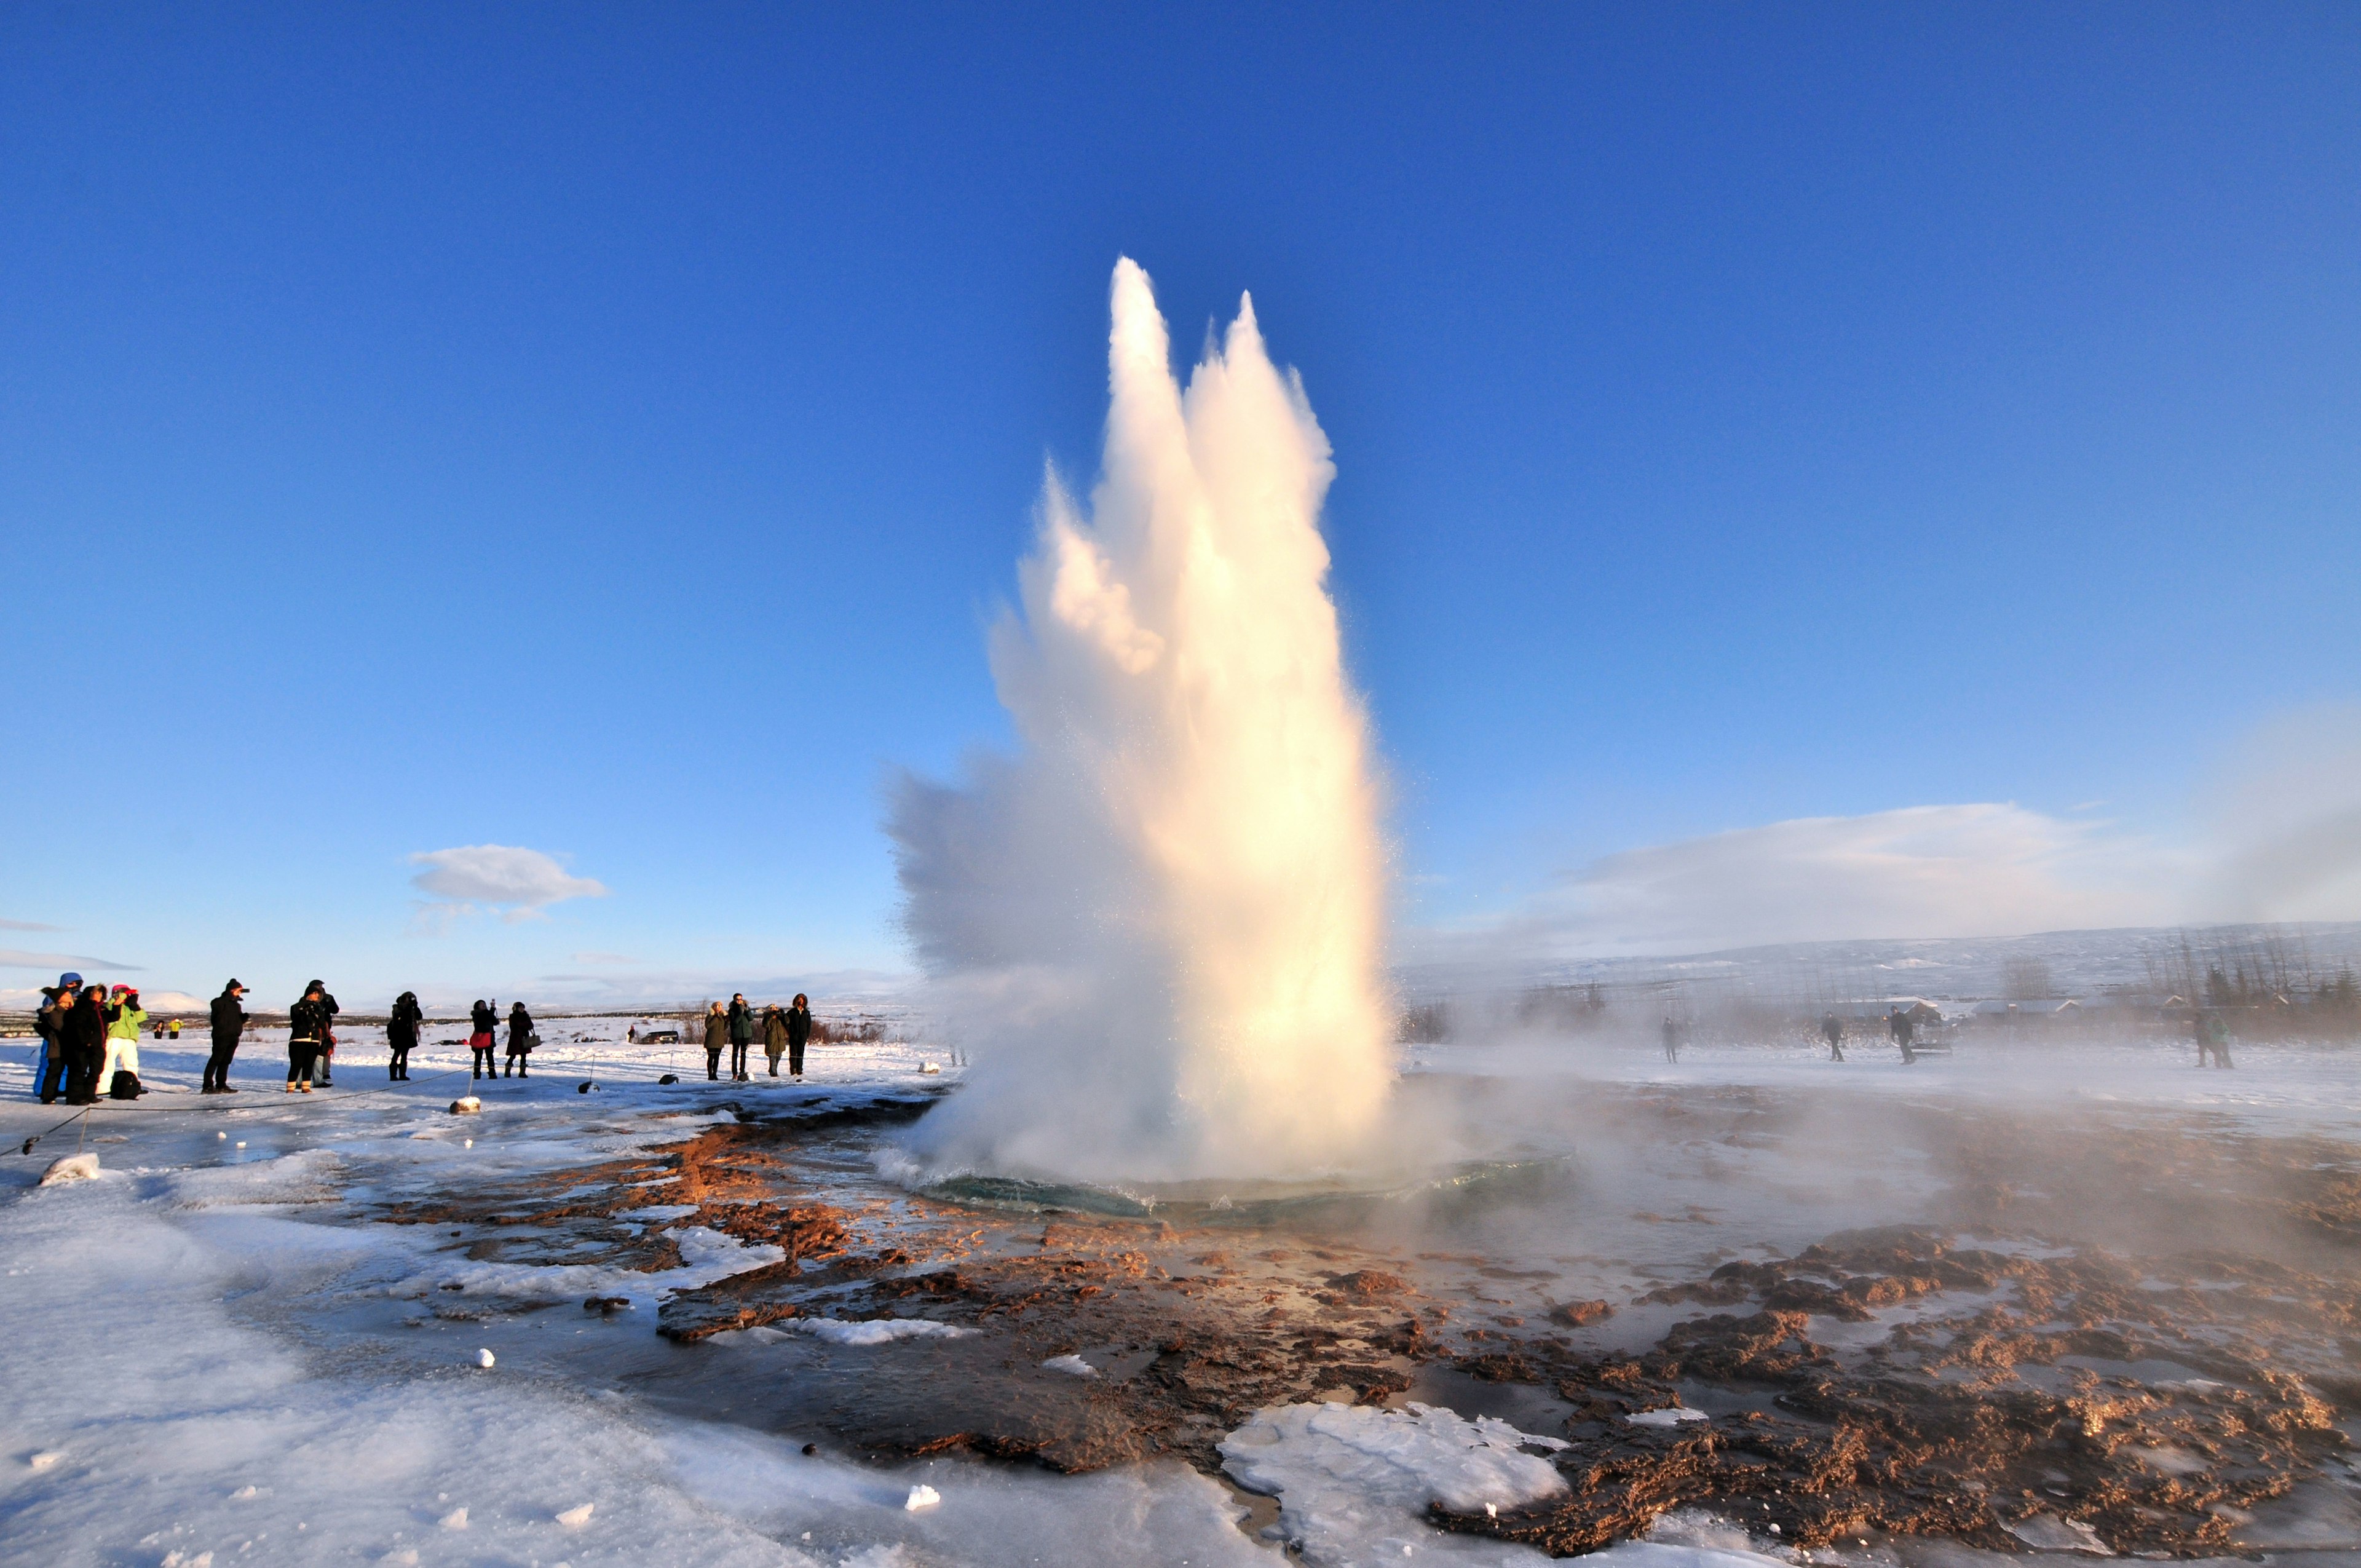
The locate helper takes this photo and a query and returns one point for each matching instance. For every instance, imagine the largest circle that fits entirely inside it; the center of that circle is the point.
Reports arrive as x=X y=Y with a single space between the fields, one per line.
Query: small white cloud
x=27 y=926
x=519 y=884
x=604 y=959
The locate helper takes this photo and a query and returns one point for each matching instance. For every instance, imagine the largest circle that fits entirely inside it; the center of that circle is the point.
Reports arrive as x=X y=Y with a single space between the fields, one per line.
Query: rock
x=1582 y=1314
x=484 y=1359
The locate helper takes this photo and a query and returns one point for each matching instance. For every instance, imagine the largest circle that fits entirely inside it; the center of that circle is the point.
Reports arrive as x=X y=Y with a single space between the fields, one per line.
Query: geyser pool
x=1158 y=928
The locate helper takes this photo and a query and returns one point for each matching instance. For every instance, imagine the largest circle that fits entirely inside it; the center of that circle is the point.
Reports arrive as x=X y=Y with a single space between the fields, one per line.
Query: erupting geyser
x=1159 y=928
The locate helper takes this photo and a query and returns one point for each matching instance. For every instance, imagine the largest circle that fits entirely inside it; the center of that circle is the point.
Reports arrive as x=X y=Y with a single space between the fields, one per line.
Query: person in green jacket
x=123 y=1017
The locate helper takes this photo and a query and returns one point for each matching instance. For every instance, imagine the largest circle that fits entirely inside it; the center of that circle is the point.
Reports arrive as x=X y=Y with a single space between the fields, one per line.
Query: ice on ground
x=2048 y=1532
x=1671 y=1417
x=1072 y=1365
x=1353 y=1481
x=875 y=1330
x=921 y=1497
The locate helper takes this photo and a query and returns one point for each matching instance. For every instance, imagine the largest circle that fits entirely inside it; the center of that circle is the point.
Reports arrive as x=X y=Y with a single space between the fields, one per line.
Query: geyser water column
x=1159 y=928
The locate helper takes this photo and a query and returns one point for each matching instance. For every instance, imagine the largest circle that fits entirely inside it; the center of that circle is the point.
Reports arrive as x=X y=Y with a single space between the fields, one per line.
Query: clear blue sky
x=606 y=429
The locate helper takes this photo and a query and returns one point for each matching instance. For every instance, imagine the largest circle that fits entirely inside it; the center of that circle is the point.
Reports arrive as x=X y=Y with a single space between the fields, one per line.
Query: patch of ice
x=875 y=1330
x=1348 y=1478
x=921 y=1497
x=575 y=1518
x=45 y=1459
x=2048 y=1532
x=1073 y=1364
x=456 y=1519
x=1671 y=1417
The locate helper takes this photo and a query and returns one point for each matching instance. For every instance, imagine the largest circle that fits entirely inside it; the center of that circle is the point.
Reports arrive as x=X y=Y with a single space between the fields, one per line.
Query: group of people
x=785 y=1030
x=90 y=1041
x=311 y=1038
x=485 y=1018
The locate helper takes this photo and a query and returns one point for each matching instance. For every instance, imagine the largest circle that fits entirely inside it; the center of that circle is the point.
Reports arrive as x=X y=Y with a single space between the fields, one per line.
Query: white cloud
x=15 y=958
x=517 y=883
x=25 y=926
x=1924 y=871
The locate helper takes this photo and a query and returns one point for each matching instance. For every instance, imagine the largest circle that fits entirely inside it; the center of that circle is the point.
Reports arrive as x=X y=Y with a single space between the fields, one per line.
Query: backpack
x=126 y=1085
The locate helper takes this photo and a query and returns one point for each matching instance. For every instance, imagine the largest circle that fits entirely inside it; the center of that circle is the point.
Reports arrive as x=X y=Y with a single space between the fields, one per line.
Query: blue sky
x=606 y=432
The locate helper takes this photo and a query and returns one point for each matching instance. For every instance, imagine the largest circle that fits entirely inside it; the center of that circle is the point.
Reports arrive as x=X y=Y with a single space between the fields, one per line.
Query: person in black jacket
x=327 y=1032
x=229 y=1023
x=480 y=1041
x=85 y=1043
x=50 y=1024
x=401 y=1034
x=520 y=1039
x=741 y=1036
x=798 y=1032
x=307 y=1025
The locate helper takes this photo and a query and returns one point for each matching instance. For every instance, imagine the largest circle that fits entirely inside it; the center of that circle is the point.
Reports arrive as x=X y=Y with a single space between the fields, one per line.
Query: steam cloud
x=1159 y=928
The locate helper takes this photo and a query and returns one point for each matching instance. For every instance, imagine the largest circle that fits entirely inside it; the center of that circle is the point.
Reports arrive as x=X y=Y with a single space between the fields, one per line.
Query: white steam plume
x=1159 y=927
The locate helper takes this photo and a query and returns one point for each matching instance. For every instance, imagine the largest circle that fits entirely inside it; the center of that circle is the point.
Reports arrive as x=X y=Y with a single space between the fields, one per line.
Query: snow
x=72 y=1168
x=1074 y=1365
x=875 y=1330
x=1671 y=1417
x=1354 y=1480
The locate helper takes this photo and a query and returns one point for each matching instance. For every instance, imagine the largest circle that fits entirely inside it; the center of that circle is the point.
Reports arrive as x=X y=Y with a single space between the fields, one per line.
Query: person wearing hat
x=401 y=1034
x=229 y=1023
x=50 y=1024
x=123 y=1017
x=327 y=1059
x=307 y=1023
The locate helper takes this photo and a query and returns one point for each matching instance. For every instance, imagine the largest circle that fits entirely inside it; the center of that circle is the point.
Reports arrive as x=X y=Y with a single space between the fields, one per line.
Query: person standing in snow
x=307 y=1024
x=1672 y=1033
x=520 y=1039
x=85 y=1038
x=327 y=1033
x=798 y=1034
x=774 y=1036
x=479 y=1040
x=123 y=1017
x=229 y=1023
x=50 y=1024
x=402 y=1036
x=741 y=1036
x=1905 y=1032
x=717 y=1034
x=1832 y=1031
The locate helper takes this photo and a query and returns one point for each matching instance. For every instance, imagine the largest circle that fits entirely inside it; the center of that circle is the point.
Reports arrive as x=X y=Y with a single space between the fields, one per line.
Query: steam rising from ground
x=1158 y=927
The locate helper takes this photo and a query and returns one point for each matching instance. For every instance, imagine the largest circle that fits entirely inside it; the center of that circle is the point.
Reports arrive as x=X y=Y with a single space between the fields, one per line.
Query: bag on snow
x=124 y=1085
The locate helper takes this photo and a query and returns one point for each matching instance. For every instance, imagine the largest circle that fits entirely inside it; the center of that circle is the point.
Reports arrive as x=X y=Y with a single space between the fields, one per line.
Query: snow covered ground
x=212 y=1358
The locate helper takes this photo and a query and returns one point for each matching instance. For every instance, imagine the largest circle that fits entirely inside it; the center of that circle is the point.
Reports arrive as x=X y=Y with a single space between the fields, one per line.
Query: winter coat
x=401 y=1023
x=798 y=1026
x=123 y=1022
x=50 y=1024
x=520 y=1029
x=742 y=1024
x=229 y=1020
x=85 y=1029
x=774 y=1031
x=717 y=1031
x=485 y=1020
x=307 y=1020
